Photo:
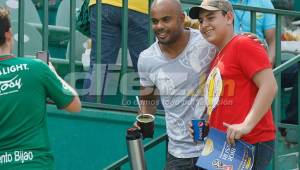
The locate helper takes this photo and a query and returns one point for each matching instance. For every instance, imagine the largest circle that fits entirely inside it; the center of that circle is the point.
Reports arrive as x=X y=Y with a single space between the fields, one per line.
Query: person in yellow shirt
x=136 y=5
x=111 y=34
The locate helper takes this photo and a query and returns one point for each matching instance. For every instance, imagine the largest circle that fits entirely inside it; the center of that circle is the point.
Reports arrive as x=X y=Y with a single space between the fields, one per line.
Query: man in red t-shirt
x=241 y=85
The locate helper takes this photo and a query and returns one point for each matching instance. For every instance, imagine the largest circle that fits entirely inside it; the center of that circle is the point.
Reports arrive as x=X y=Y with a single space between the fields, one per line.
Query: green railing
x=118 y=164
x=98 y=50
x=21 y=29
x=45 y=31
x=277 y=71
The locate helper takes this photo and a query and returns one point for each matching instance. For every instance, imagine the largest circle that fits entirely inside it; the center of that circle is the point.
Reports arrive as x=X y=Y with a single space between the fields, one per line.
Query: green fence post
x=296 y=5
x=98 y=51
x=21 y=29
x=124 y=50
x=72 y=41
x=45 y=25
x=277 y=101
x=150 y=32
x=298 y=126
x=253 y=22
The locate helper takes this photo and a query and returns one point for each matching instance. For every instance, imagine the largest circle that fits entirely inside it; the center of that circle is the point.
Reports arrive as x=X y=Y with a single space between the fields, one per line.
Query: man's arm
x=75 y=105
x=267 y=89
x=270 y=38
x=148 y=99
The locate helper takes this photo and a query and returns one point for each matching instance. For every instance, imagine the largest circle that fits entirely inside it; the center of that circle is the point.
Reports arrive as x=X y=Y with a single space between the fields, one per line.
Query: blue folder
x=220 y=155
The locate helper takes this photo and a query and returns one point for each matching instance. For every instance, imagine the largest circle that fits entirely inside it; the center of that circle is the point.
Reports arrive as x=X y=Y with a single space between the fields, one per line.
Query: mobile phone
x=43 y=55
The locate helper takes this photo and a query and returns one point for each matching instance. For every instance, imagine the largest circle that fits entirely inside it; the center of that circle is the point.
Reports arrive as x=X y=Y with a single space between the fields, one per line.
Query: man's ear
x=181 y=17
x=8 y=35
x=229 y=17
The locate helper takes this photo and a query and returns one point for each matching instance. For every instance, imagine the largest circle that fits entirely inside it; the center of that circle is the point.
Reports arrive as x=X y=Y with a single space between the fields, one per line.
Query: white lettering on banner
x=12 y=69
x=21 y=156
x=6 y=158
x=16 y=156
x=10 y=85
x=228 y=152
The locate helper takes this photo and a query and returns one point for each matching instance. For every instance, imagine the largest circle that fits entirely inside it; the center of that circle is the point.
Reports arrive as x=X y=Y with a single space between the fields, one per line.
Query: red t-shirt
x=238 y=62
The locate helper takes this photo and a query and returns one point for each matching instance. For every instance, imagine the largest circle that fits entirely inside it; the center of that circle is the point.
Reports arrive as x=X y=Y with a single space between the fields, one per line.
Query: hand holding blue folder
x=218 y=154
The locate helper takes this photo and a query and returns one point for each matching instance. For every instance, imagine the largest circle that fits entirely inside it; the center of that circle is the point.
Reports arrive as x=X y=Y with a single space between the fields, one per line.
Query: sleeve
x=55 y=89
x=269 y=19
x=144 y=72
x=252 y=56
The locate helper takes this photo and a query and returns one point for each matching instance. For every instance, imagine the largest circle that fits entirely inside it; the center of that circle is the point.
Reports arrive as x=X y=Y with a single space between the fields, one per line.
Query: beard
x=171 y=39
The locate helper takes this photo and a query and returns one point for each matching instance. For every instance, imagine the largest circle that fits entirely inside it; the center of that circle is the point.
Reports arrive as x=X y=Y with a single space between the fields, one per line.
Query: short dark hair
x=4 y=24
x=224 y=13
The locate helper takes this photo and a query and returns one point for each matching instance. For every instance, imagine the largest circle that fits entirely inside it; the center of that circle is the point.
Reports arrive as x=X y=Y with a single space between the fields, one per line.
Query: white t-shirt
x=180 y=82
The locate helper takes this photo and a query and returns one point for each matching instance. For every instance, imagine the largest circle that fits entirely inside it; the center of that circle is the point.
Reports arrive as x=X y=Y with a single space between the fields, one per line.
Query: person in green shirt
x=25 y=85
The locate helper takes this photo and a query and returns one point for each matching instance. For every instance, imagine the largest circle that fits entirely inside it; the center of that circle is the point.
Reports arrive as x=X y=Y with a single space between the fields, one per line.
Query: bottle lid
x=133 y=133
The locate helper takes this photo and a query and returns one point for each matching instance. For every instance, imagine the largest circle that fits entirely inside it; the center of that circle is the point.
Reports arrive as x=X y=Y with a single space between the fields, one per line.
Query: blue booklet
x=220 y=155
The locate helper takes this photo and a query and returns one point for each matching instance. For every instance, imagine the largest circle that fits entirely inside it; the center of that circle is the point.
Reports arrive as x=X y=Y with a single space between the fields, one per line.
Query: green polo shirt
x=25 y=85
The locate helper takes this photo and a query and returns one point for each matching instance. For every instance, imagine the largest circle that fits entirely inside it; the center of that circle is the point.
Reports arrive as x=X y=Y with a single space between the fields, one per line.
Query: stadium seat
x=31 y=14
x=52 y=9
x=32 y=39
x=63 y=20
x=63 y=12
x=80 y=46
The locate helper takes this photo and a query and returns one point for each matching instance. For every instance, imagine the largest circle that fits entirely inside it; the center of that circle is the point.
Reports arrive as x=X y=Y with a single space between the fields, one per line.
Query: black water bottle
x=135 y=149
